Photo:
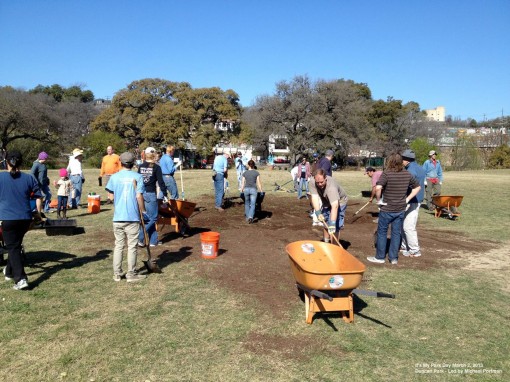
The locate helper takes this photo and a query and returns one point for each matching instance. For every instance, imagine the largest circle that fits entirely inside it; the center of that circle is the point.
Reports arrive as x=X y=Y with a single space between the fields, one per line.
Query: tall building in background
x=437 y=114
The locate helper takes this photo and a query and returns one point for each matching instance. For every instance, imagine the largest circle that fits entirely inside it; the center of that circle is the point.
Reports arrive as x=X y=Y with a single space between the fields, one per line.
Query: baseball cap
x=42 y=156
x=150 y=150
x=409 y=154
x=432 y=152
x=127 y=158
x=369 y=169
x=329 y=153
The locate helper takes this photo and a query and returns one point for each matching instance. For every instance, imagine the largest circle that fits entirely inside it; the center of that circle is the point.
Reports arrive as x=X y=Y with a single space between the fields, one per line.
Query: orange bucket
x=93 y=204
x=210 y=244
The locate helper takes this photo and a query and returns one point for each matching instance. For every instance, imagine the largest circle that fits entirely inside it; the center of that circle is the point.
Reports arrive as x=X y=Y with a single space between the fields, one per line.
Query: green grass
x=78 y=325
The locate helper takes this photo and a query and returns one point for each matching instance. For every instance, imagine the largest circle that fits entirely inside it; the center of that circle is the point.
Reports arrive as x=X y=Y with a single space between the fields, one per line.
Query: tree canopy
x=157 y=111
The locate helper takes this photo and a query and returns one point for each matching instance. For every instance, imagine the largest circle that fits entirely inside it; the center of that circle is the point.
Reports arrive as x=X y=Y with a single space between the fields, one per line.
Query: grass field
x=76 y=324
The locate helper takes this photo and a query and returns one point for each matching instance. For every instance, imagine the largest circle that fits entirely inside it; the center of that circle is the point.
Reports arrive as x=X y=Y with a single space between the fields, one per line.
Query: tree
x=421 y=148
x=60 y=93
x=465 y=155
x=158 y=111
x=96 y=144
x=500 y=158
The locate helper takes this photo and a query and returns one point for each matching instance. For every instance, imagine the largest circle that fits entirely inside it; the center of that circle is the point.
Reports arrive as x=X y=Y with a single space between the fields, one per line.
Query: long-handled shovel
x=331 y=235
x=182 y=183
x=150 y=263
x=358 y=211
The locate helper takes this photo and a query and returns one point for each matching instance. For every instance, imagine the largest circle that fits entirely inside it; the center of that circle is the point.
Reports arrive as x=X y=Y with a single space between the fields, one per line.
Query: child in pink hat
x=64 y=190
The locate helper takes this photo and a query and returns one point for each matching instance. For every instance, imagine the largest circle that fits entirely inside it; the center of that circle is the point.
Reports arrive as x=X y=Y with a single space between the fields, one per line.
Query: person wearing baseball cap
x=125 y=188
x=410 y=246
x=433 y=178
x=40 y=171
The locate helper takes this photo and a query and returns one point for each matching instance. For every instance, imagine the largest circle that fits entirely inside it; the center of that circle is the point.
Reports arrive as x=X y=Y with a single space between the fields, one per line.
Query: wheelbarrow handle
x=315 y=293
x=373 y=293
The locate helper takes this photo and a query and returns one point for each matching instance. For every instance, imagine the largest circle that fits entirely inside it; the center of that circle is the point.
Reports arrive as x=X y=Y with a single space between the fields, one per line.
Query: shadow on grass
x=167 y=257
x=40 y=259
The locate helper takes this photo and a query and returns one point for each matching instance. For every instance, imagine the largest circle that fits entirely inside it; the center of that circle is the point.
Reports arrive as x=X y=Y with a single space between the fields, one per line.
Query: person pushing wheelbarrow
x=325 y=189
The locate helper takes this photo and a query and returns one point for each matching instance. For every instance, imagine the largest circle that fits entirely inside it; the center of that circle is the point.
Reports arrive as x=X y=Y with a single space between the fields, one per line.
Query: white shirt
x=74 y=166
x=294 y=172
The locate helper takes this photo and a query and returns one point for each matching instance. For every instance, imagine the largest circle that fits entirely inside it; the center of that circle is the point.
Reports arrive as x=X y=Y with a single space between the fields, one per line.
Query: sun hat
x=62 y=172
x=150 y=150
x=77 y=152
x=432 y=152
x=127 y=158
x=42 y=156
x=409 y=154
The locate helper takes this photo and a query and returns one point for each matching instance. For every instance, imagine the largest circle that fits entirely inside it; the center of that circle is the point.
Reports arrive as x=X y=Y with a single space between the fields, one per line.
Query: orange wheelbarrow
x=448 y=205
x=328 y=275
x=175 y=213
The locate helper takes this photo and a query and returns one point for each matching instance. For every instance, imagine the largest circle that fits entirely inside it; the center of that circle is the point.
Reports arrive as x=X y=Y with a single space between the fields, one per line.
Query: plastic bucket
x=93 y=204
x=210 y=244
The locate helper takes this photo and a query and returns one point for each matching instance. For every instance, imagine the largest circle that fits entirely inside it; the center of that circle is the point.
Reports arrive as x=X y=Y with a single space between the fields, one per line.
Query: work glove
x=425 y=182
x=381 y=203
x=440 y=183
x=408 y=206
x=331 y=228
x=320 y=216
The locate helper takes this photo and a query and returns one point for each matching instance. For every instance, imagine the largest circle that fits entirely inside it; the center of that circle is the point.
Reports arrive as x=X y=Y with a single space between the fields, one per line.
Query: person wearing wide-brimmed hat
x=410 y=246
x=433 y=178
x=75 y=172
x=16 y=189
x=40 y=172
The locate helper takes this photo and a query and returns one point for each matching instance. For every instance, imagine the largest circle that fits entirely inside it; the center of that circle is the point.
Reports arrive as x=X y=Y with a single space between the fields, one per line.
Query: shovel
x=331 y=235
x=150 y=263
x=358 y=211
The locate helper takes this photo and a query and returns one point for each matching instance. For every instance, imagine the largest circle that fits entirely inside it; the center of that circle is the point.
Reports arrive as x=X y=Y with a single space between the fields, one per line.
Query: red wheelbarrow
x=328 y=275
x=448 y=205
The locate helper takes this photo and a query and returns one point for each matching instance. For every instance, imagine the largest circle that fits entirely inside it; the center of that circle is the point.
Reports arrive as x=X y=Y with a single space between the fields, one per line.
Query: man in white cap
x=76 y=176
x=433 y=178
x=410 y=246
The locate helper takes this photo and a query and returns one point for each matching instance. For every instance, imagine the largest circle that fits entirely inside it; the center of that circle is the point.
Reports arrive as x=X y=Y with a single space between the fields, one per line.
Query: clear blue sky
x=454 y=54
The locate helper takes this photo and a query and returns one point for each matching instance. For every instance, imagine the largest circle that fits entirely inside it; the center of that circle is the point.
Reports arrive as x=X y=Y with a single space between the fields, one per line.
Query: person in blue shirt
x=241 y=164
x=168 y=168
x=16 y=190
x=125 y=188
x=220 y=168
x=40 y=172
x=433 y=178
x=410 y=246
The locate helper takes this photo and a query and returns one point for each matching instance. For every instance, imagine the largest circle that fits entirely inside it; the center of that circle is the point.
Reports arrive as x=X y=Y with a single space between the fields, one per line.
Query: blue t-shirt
x=124 y=201
x=15 y=195
x=220 y=164
x=167 y=165
x=419 y=173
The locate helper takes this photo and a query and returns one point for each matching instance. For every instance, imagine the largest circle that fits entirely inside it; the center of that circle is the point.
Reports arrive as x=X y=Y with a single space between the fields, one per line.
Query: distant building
x=100 y=103
x=437 y=114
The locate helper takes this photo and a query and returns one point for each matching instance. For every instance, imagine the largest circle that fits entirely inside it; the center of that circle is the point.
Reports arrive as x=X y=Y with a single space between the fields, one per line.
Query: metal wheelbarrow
x=176 y=213
x=448 y=205
x=328 y=275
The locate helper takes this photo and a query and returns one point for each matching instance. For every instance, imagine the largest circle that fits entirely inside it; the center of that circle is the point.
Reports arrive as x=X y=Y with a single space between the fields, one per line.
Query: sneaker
x=7 y=278
x=135 y=277
x=140 y=244
x=374 y=259
x=117 y=277
x=22 y=284
x=415 y=254
x=158 y=243
x=394 y=262
x=325 y=240
x=250 y=220
x=405 y=253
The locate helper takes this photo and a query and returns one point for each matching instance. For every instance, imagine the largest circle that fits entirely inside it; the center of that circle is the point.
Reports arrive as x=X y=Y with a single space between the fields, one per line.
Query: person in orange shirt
x=110 y=165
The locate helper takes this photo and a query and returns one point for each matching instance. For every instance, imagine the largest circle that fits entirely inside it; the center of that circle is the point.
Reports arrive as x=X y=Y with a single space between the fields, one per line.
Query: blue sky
x=454 y=54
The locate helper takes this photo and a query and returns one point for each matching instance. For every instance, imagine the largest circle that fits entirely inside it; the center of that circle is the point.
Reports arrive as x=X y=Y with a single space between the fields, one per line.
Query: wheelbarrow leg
x=308 y=311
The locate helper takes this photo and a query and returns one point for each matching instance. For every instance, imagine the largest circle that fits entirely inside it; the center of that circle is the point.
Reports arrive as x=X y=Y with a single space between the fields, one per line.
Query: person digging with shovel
x=325 y=189
x=127 y=202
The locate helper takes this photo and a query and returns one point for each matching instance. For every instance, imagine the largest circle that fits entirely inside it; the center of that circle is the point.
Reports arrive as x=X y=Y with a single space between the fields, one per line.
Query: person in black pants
x=16 y=189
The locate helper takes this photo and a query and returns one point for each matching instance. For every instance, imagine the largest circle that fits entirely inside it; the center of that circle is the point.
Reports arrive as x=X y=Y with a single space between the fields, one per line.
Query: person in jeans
x=40 y=172
x=125 y=188
x=433 y=178
x=303 y=174
x=329 y=202
x=220 y=173
x=249 y=185
x=410 y=246
x=240 y=163
x=152 y=177
x=393 y=184
x=76 y=175
x=16 y=188
x=168 y=168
